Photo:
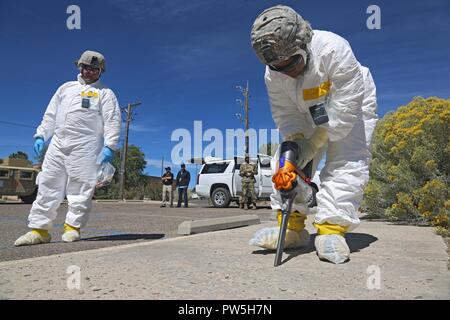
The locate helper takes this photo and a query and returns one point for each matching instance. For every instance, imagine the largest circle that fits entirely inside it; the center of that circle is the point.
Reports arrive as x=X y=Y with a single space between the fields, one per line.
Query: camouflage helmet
x=279 y=33
x=93 y=59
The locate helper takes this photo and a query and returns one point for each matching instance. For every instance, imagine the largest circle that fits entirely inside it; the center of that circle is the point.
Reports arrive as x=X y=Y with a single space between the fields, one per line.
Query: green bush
x=409 y=173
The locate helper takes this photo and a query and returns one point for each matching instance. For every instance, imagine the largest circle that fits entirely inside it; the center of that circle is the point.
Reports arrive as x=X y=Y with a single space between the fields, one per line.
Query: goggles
x=293 y=62
x=89 y=68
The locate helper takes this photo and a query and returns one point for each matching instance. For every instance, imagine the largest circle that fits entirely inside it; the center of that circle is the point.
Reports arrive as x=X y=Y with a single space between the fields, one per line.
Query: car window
x=264 y=162
x=215 y=168
x=265 y=165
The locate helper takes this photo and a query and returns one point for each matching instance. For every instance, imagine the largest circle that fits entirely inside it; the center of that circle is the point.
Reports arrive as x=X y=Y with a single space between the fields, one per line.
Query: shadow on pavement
x=355 y=241
x=291 y=252
x=123 y=237
x=358 y=241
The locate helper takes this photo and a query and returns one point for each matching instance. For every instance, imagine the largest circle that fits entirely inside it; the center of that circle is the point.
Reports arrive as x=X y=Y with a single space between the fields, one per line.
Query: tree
x=19 y=155
x=409 y=173
x=134 y=166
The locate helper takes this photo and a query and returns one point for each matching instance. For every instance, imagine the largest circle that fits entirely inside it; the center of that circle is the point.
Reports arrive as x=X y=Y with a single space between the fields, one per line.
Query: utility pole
x=246 y=94
x=244 y=104
x=125 y=147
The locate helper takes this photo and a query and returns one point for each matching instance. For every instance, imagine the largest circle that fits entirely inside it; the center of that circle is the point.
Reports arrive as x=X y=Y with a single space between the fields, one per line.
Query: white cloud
x=140 y=10
x=143 y=128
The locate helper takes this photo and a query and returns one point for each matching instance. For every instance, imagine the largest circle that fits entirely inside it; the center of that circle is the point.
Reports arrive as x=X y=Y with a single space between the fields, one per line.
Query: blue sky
x=183 y=59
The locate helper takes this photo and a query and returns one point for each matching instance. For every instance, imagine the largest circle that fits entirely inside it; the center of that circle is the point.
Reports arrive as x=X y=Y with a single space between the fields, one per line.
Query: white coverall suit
x=70 y=165
x=333 y=77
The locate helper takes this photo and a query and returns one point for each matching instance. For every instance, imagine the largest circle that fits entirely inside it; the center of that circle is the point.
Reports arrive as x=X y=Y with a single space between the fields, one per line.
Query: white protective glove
x=309 y=147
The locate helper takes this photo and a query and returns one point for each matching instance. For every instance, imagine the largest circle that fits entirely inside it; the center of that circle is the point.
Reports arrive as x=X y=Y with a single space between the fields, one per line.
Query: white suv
x=219 y=180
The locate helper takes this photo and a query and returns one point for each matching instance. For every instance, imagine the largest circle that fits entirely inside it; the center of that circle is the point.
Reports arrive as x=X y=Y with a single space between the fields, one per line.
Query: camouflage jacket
x=248 y=172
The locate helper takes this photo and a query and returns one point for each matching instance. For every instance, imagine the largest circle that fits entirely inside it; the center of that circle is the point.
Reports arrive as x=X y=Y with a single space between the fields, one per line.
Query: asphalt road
x=110 y=224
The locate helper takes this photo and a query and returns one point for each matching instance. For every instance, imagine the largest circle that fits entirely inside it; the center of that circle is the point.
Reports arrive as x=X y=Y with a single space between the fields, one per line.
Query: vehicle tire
x=221 y=198
x=29 y=199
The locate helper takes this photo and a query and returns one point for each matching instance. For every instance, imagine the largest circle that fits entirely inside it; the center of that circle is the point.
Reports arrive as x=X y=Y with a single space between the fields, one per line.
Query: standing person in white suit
x=83 y=119
x=322 y=98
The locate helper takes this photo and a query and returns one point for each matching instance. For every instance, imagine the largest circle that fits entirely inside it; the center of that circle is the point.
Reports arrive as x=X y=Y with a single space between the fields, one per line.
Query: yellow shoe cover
x=330 y=242
x=268 y=237
x=296 y=221
x=296 y=235
x=328 y=228
x=71 y=234
x=35 y=236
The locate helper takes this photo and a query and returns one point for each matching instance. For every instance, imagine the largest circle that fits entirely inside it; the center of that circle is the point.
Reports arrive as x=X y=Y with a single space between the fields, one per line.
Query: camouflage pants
x=248 y=193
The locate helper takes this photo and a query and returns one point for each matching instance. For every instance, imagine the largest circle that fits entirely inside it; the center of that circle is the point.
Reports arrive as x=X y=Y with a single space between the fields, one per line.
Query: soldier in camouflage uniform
x=247 y=172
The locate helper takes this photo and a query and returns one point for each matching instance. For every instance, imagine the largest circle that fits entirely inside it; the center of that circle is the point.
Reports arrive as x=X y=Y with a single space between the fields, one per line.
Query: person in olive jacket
x=183 y=179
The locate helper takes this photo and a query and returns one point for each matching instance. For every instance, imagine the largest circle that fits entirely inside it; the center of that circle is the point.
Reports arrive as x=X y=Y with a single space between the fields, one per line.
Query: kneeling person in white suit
x=322 y=98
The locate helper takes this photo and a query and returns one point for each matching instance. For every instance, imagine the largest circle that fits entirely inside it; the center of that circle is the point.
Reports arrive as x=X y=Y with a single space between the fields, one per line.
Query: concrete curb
x=133 y=201
x=126 y=200
x=198 y=226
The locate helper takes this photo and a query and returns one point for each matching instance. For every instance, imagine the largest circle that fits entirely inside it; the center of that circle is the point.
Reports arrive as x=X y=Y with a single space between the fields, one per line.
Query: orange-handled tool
x=285 y=180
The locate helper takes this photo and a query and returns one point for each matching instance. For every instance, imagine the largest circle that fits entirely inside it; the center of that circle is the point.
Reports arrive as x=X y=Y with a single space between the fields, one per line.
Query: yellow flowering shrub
x=409 y=173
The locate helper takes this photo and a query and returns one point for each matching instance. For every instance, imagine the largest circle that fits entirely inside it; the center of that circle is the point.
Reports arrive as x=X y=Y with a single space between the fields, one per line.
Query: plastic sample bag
x=105 y=175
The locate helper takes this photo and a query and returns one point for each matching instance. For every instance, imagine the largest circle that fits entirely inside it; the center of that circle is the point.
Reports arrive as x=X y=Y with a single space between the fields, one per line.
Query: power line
x=18 y=124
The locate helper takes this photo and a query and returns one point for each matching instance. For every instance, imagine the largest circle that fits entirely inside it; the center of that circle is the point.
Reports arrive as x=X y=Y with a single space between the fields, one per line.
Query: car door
x=265 y=174
x=237 y=181
x=258 y=178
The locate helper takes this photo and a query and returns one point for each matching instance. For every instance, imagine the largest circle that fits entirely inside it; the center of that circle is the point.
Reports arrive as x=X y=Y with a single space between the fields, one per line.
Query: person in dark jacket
x=183 y=179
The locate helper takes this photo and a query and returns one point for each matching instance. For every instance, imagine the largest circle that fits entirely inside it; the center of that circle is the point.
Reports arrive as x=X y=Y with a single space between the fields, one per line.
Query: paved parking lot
x=110 y=224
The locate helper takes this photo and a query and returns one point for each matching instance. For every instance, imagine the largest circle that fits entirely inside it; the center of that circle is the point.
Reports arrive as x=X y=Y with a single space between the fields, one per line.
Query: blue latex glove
x=38 y=146
x=108 y=155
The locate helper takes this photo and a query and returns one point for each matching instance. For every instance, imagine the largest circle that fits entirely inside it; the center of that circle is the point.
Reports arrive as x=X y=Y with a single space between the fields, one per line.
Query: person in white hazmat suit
x=323 y=99
x=83 y=119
